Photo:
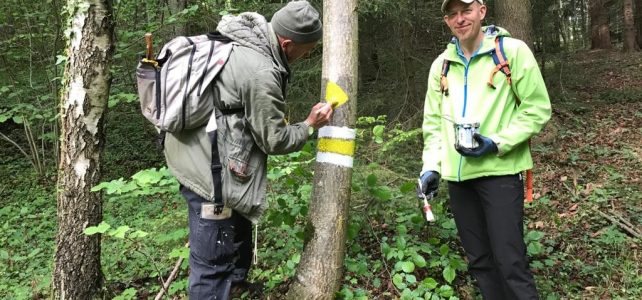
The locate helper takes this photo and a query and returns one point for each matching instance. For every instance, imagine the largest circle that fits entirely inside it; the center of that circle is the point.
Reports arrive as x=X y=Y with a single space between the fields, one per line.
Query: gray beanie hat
x=298 y=21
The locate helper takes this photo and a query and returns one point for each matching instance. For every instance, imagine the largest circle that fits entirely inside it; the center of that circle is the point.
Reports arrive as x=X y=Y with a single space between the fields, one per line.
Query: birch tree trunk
x=76 y=272
x=600 y=36
x=320 y=271
x=515 y=16
x=630 y=34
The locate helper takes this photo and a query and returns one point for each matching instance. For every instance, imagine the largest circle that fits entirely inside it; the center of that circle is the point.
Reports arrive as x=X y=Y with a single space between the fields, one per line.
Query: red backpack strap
x=445 y=67
x=501 y=63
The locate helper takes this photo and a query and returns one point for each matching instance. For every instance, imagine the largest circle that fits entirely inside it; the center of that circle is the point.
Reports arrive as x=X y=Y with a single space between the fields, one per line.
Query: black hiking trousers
x=220 y=251
x=489 y=214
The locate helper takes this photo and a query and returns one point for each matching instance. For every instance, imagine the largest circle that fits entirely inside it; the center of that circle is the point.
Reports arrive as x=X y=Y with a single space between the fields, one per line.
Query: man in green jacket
x=484 y=171
x=249 y=95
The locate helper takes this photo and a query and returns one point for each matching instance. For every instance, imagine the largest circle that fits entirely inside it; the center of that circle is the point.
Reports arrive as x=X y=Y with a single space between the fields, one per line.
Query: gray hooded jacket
x=249 y=95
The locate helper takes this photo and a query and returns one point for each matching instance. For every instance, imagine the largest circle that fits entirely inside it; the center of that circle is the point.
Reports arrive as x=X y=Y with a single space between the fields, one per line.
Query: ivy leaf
x=449 y=274
x=61 y=59
x=398 y=281
x=101 y=228
x=408 y=266
x=179 y=252
x=407 y=187
x=419 y=261
x=411 y=279
x=376 y=282
x=120 y=231
x=535 y=248
x=371 y=180
x=147 y=177
x=443 y=250
x=534 y=235
x=429 y=283
x=382 y=193
x=138 y=234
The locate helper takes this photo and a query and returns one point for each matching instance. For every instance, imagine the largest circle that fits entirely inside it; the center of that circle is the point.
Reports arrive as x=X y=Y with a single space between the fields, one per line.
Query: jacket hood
x=494 y=31
x=252 y=30
x=488 y=43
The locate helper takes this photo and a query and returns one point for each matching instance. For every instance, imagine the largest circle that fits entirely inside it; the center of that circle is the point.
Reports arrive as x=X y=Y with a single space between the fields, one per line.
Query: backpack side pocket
x=148 y=83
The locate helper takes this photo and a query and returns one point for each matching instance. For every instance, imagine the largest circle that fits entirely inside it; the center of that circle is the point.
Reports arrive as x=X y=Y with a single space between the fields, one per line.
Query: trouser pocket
x=214 y=241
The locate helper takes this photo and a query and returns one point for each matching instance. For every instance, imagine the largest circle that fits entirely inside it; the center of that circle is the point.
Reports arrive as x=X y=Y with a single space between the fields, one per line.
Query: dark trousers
x=489 y=213
x=220 y=251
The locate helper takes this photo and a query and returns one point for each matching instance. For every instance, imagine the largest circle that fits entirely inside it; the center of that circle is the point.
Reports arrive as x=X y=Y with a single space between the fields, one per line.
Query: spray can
x=430 y=217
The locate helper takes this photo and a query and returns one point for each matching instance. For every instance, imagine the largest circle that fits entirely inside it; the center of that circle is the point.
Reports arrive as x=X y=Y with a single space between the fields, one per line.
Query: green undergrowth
x=587 y=187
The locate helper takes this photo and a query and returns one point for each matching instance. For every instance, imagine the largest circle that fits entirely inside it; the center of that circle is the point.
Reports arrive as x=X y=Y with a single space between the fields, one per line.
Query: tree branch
x=626 y=225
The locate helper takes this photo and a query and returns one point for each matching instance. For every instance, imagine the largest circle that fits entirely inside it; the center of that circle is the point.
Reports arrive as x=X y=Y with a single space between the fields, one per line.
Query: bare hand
x=319 y=115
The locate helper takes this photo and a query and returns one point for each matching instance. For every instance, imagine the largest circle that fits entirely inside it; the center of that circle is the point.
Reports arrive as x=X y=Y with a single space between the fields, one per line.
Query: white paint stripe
x=335 y=159
x=337 y=132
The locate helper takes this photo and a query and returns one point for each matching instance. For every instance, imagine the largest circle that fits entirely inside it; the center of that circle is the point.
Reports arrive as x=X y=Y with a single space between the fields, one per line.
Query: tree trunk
x=76 y=272
x=630 y=34
x=638 y=21
x=600 y=37
x=515 y=16
x=320 y=271
x=176 y=6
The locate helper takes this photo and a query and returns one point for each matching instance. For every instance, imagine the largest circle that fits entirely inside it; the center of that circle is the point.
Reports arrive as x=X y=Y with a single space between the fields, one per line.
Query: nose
x=459 y=18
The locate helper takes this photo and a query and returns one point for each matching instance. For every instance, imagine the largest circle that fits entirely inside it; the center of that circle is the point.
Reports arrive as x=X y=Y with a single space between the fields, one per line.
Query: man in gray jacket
x=249 y=96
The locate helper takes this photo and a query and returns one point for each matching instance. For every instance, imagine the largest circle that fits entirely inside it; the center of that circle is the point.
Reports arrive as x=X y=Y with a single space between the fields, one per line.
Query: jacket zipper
x=463 y=113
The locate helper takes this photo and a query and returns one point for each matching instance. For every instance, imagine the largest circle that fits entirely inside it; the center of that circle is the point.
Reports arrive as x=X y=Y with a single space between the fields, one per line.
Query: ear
x=285 y=43
x=446 y=19
x=482 y=11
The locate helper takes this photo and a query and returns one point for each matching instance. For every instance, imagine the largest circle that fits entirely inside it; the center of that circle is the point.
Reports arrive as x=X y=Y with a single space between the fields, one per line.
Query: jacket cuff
x=309 y=129
x=501 y=147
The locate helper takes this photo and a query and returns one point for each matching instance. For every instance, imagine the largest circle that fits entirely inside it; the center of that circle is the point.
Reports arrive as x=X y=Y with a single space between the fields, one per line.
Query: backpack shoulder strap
x=501 y=63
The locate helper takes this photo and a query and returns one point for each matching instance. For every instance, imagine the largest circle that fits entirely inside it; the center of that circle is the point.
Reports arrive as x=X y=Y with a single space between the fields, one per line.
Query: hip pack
x=174 y=88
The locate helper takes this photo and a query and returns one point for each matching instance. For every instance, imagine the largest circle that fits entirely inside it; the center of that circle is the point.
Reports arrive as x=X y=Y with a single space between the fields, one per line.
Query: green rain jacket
x=509 y=122
x=251 y=88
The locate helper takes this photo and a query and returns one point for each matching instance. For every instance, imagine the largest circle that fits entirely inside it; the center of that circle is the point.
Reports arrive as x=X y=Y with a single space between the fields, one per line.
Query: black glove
x=429 y=182
x=486 y=145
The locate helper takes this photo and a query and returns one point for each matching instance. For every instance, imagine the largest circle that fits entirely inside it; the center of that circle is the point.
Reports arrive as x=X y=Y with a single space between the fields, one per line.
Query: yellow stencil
x=339 y=146
x=335 y=95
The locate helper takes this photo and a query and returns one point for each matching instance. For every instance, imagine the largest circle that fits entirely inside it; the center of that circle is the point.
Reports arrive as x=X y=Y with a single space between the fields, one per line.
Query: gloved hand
x=429 y=182
x=486 y=145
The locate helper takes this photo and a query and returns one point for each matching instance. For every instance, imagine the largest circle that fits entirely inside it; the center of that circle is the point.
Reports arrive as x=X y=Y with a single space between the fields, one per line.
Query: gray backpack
x=174 y=89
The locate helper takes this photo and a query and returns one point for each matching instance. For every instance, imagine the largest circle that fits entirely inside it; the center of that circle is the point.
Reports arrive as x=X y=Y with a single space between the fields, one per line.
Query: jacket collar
x=277 y=52
x=452 y=52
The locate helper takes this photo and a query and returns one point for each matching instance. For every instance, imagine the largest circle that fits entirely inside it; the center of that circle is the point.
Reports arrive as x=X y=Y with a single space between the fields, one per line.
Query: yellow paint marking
x=344 y=147
x=335 y=95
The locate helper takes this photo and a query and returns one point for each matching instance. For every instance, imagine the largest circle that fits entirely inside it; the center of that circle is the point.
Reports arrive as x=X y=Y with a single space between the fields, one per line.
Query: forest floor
x=588 y=177
x=584 y=228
